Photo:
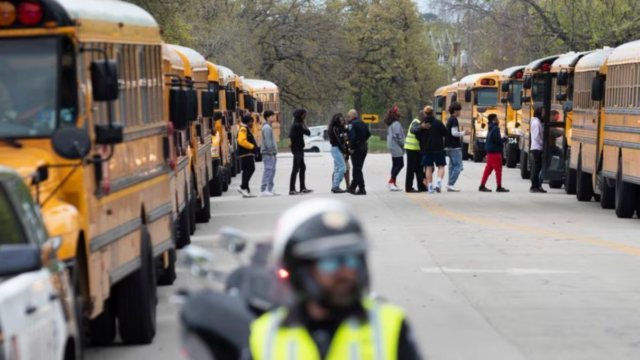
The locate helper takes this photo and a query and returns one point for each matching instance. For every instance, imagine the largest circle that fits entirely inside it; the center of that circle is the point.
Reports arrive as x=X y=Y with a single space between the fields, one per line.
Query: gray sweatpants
x=269 y=173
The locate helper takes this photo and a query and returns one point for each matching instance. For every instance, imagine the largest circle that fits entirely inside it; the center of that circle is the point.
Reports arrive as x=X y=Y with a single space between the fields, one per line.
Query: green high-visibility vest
x=411 y=143
x=375 y=339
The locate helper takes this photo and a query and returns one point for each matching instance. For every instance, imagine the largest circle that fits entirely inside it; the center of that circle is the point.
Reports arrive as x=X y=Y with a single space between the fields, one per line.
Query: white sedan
x=316 y=144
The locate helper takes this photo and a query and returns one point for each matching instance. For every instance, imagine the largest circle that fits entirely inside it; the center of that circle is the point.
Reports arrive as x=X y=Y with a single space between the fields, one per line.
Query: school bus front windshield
x=486 y=97
x=28 y=87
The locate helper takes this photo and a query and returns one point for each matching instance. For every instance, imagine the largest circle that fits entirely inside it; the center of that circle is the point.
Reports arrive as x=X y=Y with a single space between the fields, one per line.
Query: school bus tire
x=584 y=186
x=478 y=156
x=137 y=298
x=233 y=171
x=570 y=176
x=465 y=152
x=204 y=213
x=512 y=158
x=77 y=276
x=555 y=184
x=183 y=228
x=169 y=275
x=193 y=204
x=216 y=182
x=102 y=329
x=225 y=179
x=626 y=196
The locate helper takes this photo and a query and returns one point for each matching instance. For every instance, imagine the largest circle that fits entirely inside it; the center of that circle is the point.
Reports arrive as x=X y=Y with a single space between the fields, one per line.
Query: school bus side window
x=10 y=231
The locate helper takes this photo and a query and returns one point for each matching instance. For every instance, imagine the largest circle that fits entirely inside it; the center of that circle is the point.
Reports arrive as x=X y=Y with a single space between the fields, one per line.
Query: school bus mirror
x=178 y=108
x=231 y=100
x=597 y=88
x=104 y=80
x=527 y=82
x=561 y=97
x=441 y=102
x=505 y=86
x=207 y=99
x=109 y=134
x=41 y=175
x=260 y=107
x=192 y=105
x=71 y=143
x=567 y=106
x=562 y=78
x=467 y=95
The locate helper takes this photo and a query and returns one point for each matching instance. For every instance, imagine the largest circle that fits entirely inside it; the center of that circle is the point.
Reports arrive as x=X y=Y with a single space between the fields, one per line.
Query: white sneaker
x=390 y=186
x=266 y=193
x=274 y=193
x=452 y=188
x=395 y=188
x=244 y=192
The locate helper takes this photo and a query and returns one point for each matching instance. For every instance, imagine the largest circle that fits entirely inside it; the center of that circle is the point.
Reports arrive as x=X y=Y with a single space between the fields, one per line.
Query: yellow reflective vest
x=411 y=143
x=375 y=339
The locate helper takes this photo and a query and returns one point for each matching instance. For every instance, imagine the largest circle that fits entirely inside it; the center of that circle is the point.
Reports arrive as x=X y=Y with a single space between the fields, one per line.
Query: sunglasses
x=331 y=265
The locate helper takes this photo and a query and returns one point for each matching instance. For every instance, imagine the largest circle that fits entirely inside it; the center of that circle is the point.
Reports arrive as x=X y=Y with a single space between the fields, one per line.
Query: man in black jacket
x=298 y=130
x=359 y=134
x=432 y=146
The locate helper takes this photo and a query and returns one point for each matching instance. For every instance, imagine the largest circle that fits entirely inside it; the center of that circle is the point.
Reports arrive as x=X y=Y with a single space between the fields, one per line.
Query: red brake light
x=30 y=13
x=283 y=273
x=483 y=82
x=546 y=67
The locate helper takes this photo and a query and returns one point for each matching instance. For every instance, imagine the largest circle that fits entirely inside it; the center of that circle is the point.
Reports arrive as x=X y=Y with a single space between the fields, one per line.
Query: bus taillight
x=7 y=13
x=30 y=13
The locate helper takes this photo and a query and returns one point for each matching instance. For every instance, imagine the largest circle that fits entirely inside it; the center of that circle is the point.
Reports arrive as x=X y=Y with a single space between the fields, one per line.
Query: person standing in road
x=298 y=130
x=246 y=152
x=338 y=149
x=537 y=143
x=269 y=152
x=431 y=133
x=322 y=246
x=414 y=159
x=395 y=144
x=453 y=144
x=494 y=147
x=358 y=136
x=344 y=134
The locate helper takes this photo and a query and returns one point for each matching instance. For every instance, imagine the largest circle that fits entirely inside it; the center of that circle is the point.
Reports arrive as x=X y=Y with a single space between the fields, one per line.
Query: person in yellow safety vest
x=321 y=244
x=414 y=159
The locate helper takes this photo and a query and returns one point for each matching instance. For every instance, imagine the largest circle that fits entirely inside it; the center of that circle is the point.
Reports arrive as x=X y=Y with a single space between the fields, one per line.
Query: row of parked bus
x=591 y=123
x=121 y=139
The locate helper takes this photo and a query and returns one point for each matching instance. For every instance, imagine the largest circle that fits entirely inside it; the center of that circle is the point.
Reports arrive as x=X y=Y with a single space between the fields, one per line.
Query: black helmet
x=313 y=230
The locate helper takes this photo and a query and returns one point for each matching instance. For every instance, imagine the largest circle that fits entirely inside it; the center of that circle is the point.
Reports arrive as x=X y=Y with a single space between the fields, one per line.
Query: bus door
x=555 y=143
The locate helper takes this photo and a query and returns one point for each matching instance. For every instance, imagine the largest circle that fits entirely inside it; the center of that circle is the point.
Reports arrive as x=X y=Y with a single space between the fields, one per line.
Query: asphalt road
x=481 y=276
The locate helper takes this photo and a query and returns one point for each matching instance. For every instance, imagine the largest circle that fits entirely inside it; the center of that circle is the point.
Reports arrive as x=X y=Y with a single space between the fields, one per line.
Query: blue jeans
x=269 y=173
x=455 y=165
x=339 y=166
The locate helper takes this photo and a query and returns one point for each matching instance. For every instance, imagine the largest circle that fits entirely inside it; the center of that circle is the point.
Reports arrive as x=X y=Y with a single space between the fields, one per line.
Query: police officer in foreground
x=322 y=245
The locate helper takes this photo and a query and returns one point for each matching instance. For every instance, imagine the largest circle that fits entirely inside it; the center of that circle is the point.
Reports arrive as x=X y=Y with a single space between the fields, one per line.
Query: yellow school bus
x=196 y=78
x=231 y=116
x=219 y=148
x=81 y=106
x=559 y=134
x=479 y=93
x=621 y=142
x=175 y=97
x=439 y=101
x=510 y=85
x=267 y=96
x=587 y=129
x=536 y=87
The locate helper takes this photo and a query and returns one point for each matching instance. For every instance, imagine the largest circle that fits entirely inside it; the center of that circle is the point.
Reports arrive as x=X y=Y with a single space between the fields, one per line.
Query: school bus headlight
x=7 y=13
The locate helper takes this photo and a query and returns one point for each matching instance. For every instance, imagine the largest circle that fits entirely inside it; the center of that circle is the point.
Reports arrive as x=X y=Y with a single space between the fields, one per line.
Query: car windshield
x=486 y=97
x=28 y=91
x=10 y=231
x=516 y=90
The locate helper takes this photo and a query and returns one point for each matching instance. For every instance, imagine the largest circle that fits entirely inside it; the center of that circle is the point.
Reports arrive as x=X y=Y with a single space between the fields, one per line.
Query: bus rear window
x=28 y=87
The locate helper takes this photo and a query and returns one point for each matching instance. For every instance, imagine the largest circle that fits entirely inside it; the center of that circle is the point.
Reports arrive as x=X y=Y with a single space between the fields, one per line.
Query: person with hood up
x=395 y=144
x=359 y=134
x=494 y=148
x=296 y=134
x=246 y=152
x=431 y=133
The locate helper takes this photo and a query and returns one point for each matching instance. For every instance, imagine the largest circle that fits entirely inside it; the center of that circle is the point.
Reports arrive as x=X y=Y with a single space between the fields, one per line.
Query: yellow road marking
x=441 y=211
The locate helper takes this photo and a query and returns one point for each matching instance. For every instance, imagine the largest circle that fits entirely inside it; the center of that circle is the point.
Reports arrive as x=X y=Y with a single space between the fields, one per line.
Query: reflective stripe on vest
x=376 y=339
x=411 y=143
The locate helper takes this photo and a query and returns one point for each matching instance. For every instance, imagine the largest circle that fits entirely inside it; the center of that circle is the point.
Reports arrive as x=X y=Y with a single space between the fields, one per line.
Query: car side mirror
x=18 y=259
x=71 y=143
x=109 y=134
x=597 y=88
x=104 y=80
x=178 y=111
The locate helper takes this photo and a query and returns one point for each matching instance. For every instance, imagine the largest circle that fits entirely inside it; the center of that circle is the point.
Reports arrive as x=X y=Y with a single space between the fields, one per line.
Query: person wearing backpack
x=494 y=148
